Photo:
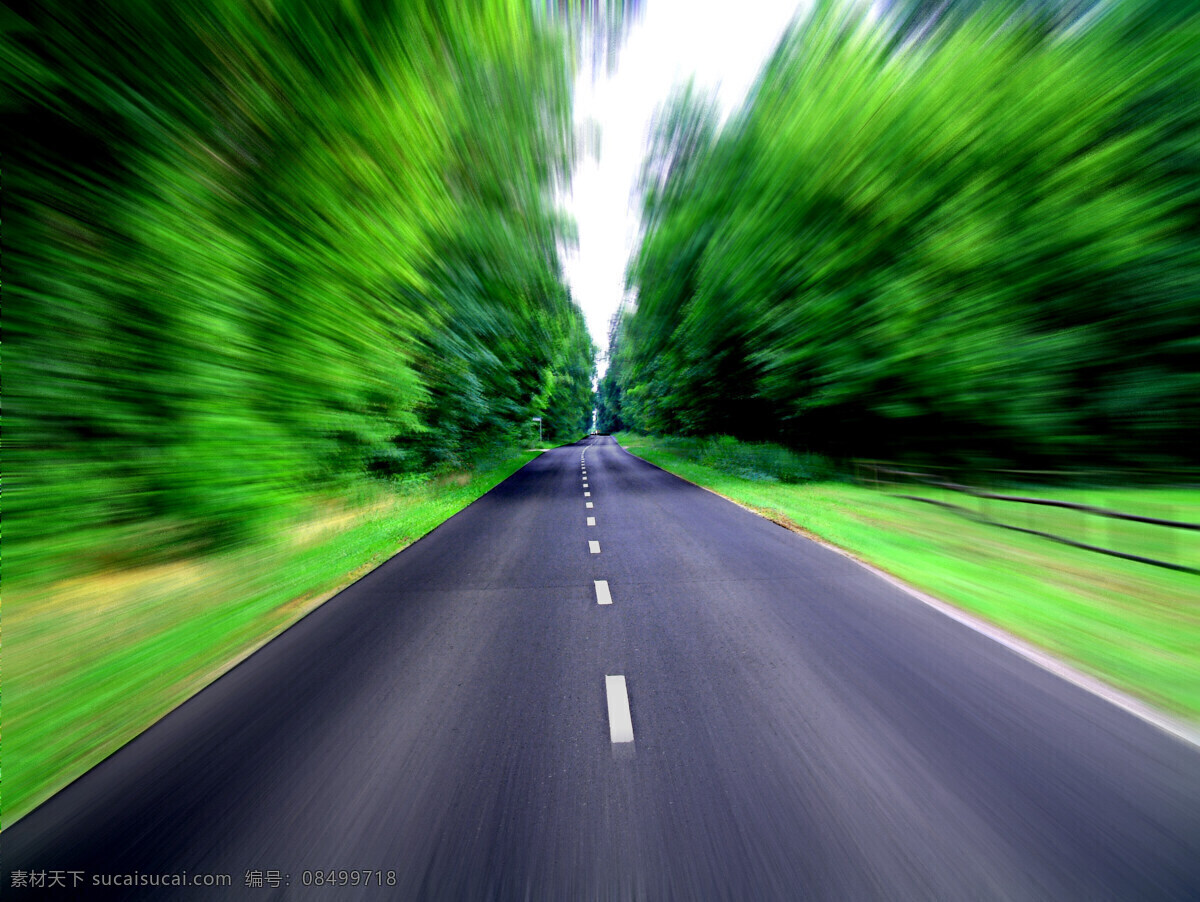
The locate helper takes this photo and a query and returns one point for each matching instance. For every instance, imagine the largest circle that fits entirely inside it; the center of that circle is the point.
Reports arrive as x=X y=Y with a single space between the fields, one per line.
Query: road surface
x=601 y=682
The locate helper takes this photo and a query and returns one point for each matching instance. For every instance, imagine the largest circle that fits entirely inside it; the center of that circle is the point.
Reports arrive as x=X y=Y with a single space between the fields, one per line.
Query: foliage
x=756 y=461
x=986 y=245
x=256 y=250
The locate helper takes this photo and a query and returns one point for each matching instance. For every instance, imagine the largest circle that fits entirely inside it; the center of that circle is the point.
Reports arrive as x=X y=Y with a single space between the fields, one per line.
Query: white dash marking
x=603 y=596
x=594 y=546
x=620 y=723
x=585 y=485
x=589 y=504
x=591 y=521
x=587 y=494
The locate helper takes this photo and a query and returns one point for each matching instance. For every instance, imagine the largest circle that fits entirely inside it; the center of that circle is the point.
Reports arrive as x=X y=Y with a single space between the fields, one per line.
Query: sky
x=722 y=46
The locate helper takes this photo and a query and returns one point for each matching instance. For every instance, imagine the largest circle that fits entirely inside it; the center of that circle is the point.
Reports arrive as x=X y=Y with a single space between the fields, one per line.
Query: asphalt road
x=801 y=729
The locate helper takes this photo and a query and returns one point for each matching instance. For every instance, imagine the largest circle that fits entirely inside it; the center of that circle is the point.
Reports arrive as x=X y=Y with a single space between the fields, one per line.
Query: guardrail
x=923 y=478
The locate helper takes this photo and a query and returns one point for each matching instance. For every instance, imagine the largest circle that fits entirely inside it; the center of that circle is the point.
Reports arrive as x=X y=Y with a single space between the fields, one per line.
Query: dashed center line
x=589 y=504
x=585 y=485
x=591 y=521
x=620 y=723
x=594 y=546
x=587 y=494
x=603 y=596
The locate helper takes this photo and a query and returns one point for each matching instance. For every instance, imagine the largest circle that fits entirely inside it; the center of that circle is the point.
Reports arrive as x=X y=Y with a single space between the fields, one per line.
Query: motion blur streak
x=261 y=248
x=974 y=236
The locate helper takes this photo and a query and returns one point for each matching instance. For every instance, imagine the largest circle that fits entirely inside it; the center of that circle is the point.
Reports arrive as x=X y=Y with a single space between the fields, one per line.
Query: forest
x=257 y=251
x=973 y=238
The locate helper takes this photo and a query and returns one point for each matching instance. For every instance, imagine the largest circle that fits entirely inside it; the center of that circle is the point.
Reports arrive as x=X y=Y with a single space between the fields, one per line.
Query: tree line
x=260 y=250
x=976 y=237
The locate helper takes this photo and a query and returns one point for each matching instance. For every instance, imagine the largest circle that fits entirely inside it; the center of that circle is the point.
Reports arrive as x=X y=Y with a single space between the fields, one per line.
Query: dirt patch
x=779 y=518
x=335 y=518
x=96 y=593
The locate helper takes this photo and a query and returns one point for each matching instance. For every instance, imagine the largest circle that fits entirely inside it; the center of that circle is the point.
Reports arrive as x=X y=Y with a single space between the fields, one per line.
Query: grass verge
x=92 y=662
x=1135 y=626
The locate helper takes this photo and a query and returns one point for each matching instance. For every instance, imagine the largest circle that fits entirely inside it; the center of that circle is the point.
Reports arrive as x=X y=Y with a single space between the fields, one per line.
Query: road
x=796 y=728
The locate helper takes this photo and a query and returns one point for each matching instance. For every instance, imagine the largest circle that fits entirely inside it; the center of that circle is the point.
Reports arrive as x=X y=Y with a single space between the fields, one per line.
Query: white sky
x=723 y=46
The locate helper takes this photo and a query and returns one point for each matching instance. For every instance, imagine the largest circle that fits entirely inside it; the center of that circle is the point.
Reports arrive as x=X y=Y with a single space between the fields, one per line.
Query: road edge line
x=1183 y=730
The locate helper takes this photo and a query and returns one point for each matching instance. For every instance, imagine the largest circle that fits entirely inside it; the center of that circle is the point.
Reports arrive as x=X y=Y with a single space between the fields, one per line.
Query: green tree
x=986 y=245
x=261 y=251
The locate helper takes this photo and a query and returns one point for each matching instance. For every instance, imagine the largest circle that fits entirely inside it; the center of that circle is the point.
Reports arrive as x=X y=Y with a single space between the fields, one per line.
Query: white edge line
x=620 y=723
x=1178 y=728
x=1182 y=730
x=603 y=596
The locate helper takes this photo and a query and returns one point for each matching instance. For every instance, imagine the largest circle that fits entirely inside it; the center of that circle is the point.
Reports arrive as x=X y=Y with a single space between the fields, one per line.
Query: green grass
x=1135 y=626
x=90 y=663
